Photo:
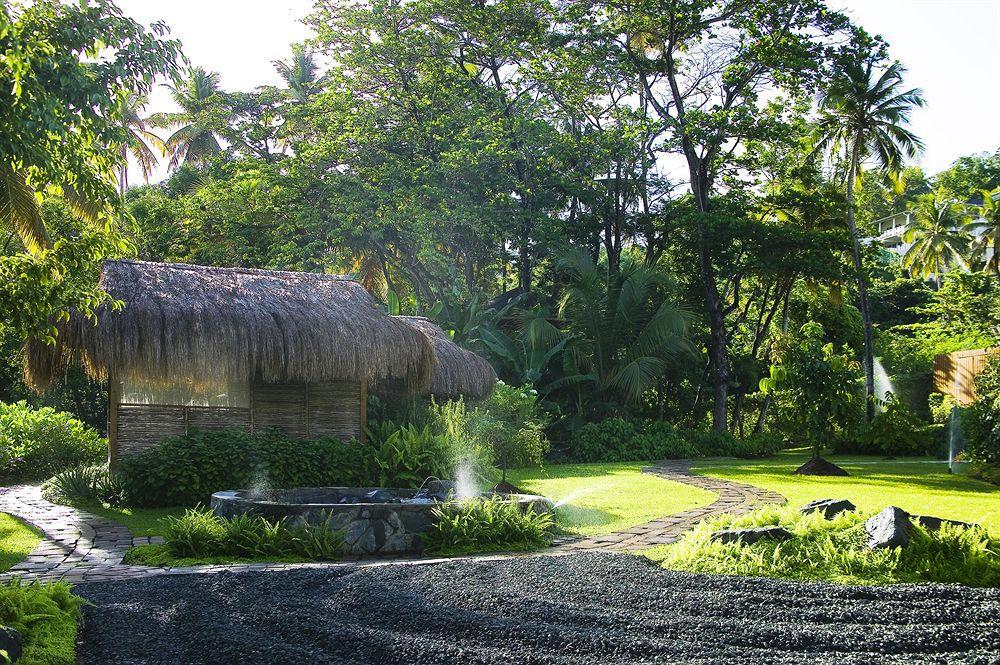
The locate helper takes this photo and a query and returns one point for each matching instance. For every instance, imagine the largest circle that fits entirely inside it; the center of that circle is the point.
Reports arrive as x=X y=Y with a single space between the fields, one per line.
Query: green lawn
x=603 y=498
x=17 y=539
x=140 y=521
x=917 y=486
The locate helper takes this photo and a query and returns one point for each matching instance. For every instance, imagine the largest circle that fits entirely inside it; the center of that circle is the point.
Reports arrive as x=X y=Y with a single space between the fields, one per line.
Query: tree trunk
x=866 y=318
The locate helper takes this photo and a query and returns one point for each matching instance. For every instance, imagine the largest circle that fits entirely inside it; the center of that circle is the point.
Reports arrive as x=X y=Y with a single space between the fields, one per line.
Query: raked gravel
x=582 y=608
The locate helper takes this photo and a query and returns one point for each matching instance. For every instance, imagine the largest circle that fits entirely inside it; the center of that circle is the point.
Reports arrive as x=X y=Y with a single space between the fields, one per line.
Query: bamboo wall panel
x=282 y=406
x=142 y=426
x=955 y=373
x=215 y=418
x=334 y=409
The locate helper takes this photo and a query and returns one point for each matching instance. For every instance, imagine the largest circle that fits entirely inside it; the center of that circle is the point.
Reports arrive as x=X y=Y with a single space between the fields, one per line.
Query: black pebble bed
x=584 y=608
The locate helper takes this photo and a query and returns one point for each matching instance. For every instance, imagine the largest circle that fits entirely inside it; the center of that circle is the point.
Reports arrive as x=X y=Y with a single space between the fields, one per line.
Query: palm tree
x=19 y=211
x=299 y=73
x=865 y=115
x=987 y=230
x=938 y=229
x=193 y=142
x=627 y=330
x=141 y=141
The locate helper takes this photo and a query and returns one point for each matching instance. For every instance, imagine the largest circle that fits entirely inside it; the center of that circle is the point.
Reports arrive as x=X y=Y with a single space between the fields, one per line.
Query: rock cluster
x=10 y=643
x=889 y=528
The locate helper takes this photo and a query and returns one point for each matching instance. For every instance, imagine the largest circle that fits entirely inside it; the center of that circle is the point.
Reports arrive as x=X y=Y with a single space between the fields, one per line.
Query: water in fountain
x=260 y=486
x=466 y=486
x=883 y=384
x=573 y=496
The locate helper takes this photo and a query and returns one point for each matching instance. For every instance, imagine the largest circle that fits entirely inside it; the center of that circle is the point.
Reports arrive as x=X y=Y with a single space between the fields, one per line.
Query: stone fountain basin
x=371 y=528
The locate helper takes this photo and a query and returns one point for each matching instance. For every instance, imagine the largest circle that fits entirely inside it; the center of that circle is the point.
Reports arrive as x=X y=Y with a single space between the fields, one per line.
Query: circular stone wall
x=388 y=524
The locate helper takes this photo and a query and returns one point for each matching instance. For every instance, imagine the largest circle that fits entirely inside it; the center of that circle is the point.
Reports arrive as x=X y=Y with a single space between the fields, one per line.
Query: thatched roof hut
x=206 y=322
x=456 y=371
x=195 y=347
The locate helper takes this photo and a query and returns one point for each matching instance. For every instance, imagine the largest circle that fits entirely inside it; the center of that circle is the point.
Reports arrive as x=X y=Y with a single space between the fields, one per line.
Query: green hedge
x=36 y=443
x=186 y=470
x=622 y=440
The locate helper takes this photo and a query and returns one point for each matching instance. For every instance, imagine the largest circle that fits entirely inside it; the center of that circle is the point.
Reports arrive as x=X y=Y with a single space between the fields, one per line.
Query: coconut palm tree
x=865 y=113
x=299 y=73
x=193 y=141
x=939 y=231
x=987 y=231
x=141 y=141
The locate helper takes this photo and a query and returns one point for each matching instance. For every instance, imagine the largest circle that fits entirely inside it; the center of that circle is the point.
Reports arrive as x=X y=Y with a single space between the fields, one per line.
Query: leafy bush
x=46 y=616
x=482 y=525
x=200 y=533
x=894 y=431
x=987 y=472
x=619 y=440
x=507 y=429
x=609 y=440
x=759 y=445
x=709 y=443
x=82 y=485
x=409 y=455
x=186 y=470
x=836 y=551
x=981 y=421
x=36 y=443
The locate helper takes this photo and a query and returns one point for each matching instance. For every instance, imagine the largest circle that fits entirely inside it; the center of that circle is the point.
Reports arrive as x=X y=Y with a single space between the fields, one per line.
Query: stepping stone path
x=734 y=498
x=81 y=547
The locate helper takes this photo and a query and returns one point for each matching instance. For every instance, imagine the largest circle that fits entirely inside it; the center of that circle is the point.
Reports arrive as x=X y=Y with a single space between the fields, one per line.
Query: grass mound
x=46 y=615
x=17 y=539
x=835 y=551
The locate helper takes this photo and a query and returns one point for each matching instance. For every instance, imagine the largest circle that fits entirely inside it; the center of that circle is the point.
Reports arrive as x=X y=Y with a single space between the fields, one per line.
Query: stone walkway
x=81 y=547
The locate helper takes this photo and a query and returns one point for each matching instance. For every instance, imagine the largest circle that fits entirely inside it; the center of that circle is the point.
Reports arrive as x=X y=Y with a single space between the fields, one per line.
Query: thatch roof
x=204 y=322
x=456 y=371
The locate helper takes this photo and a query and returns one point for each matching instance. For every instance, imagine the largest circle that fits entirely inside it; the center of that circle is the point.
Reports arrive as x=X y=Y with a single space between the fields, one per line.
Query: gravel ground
x=571 y=609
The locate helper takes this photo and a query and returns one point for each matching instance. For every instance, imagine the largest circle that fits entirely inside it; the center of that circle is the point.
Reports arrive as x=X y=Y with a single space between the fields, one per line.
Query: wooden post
x=364 y=409
x=114 y=397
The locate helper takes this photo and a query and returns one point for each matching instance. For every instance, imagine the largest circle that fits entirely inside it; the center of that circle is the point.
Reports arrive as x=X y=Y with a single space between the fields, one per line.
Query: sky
x=951 y=48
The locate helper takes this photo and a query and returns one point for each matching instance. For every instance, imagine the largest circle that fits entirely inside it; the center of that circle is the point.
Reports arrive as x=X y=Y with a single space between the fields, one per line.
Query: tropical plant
x=141 y=141
x=986 y=228
x=194 y=141
x=938 y=229
x=482 y=525
x=628 y=329
x=299 y=73
x=409 y=455
x=865 y=113
x=817 y=384
x=63 y=116
x=36 y=443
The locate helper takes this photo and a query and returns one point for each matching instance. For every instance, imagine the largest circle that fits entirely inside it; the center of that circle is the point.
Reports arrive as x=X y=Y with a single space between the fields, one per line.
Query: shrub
x=482 y=525
x=894 y=431
x=836 y=551
x=609 y=440
x=981 y=421
x=200 y=534
x=186 y=470
x=82 y=485
x=36 y=443
x=759 y=445
x=46 y=616
x=409 y=455
x=709 y=443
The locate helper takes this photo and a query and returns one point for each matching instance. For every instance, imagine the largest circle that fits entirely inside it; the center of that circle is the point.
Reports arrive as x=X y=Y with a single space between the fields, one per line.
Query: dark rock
x=751 y=536
x=934 y=523
x=439 y=487
x=818 y=466
x=503 y=487
x=829 y=507
x=381 y=496
x=890 y=528
x=10 y=642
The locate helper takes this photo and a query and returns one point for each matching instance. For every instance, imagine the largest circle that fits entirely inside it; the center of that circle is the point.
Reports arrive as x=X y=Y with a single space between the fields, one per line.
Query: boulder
x=934 y=523
x=10 y=642
x=889 y=528
x=829 y=507
x=751 y=536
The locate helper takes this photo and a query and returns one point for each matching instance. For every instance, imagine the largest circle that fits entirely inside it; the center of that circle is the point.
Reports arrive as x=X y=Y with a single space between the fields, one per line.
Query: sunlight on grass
x=140 y=521
x=917 y=486
x=17 y=539
x=603 y=498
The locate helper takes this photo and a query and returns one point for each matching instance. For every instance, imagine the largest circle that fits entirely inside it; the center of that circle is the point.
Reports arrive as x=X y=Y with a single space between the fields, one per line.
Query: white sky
x=951 y=47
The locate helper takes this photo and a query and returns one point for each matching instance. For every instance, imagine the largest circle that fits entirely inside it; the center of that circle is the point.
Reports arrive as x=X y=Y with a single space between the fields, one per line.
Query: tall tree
x=194 y=141
x=865 y=114
x=702 y=66
x=141 y=141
